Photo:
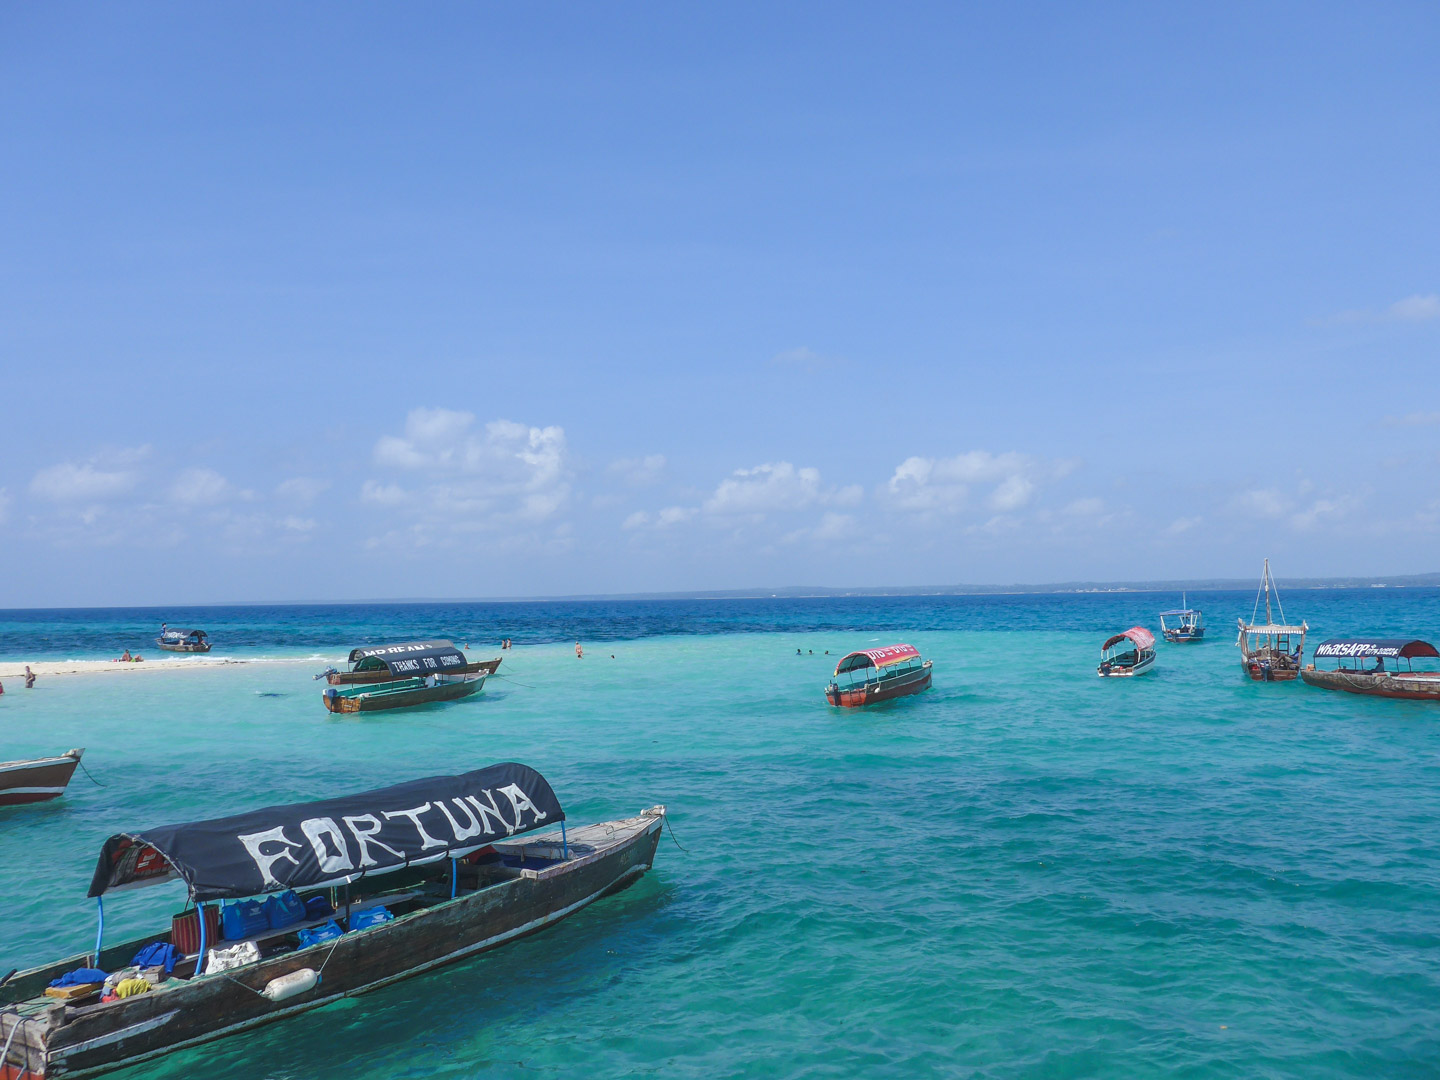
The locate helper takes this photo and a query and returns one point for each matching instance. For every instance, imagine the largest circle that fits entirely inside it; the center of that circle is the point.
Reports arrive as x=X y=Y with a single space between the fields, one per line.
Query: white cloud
x=775 y=487
x=475 y=478
x=301 y=490
x=1182 y=525
x=1321 y=510
x=1414 y=419
x=638 y=520
x=1263 y=502
x=943 y=485
x=639 y=472
x=832 y=528
x=200 y=487
x=69 y=482
x=1415 y=308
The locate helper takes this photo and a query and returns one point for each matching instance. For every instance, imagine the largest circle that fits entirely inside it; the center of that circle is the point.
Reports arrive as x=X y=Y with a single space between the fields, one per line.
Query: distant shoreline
x=812 y=592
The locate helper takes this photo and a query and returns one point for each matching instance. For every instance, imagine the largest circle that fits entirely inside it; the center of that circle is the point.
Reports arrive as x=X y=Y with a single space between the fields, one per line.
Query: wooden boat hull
x=1176 y=637
x=872 y=693
x=366 y=678
x=1414 y=686
x=78 y=1042
x=1276 y=673
x=203 y=646
x=39 y=780
x=403 y=699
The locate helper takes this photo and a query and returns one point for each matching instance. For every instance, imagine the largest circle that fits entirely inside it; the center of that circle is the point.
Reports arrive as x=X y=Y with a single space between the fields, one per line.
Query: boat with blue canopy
x=318 y=902
x=1186 y=624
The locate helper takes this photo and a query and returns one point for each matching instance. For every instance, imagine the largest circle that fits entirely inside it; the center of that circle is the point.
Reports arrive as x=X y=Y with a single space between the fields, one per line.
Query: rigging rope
x=86 y=771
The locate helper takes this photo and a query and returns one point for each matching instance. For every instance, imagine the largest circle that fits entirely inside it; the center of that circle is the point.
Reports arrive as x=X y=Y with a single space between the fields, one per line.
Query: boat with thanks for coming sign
x=873 y=675
x=359 y=892
x=1271 y=651
x=38 y=779
x=417 y=673
x=1130 y=653
x=367 y=664
x=1376 y=680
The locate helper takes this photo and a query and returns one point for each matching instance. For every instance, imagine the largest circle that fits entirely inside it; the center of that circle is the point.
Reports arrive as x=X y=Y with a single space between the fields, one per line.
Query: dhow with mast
x=1271 y=651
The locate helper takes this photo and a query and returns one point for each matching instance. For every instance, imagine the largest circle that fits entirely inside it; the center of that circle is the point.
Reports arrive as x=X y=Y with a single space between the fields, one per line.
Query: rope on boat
x=86 y=771
x=527 y=686
x=672 y=835
x=261 y=993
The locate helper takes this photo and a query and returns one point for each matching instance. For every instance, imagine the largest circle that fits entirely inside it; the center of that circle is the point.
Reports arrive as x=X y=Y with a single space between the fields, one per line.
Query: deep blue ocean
x=1025 y=872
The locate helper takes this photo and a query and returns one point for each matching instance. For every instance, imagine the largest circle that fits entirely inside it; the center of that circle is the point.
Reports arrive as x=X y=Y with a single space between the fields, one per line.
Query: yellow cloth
x=130 y=987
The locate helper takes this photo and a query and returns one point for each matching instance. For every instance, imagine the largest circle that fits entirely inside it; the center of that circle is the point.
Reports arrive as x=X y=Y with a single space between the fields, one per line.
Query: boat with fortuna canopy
x=1130 y=653
x=1271 y=651
x=413 y=673
x=1186 y=624
x=367 y=664
x=183 y=641
x=872 y=675
x=1352 y=675
x=404 y=879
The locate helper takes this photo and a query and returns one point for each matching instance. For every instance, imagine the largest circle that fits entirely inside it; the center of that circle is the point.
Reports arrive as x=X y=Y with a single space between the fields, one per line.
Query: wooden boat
x=183 y=641
x=1377 y=680
x=1271 y=651
x=441 y=854
x=37 y=780
x=367 y=665
x=1130 y=653
x=403 y=694
x=1186 y=624
x=871 y=675
x=417 y=673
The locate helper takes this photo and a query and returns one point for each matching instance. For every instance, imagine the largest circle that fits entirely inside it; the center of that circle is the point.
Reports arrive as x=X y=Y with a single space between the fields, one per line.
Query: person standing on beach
x=579 y=653
x=29 y=678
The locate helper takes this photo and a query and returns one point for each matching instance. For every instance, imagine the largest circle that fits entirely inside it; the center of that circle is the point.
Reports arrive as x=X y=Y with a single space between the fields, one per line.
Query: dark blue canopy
x=410 y=658
x=1372 y=648
x=305 y=845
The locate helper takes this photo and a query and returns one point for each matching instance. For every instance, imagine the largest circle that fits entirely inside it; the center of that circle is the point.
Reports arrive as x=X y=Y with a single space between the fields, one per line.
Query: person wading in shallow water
x=579 y=652
x=29 y=678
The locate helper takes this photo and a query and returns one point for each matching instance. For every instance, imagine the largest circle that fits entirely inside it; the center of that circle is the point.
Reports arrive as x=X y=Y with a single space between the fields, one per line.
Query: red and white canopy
x=879 y=658
x=1142 y=638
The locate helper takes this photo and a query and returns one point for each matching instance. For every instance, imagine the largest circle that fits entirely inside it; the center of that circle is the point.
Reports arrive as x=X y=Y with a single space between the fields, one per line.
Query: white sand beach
x=15 y=669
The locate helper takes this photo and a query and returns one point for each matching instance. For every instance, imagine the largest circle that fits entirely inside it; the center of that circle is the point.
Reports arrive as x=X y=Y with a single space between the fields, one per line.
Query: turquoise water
x=1025 y=872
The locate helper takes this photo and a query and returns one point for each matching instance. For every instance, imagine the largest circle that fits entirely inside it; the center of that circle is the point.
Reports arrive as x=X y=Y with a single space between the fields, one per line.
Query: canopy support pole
x=564 y=843
x=99 y=930
x=200 y=955
x=454 y=878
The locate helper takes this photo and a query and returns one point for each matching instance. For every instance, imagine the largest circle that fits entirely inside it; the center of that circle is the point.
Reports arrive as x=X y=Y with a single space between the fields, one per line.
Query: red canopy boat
x=871 y=675
x=37 y=780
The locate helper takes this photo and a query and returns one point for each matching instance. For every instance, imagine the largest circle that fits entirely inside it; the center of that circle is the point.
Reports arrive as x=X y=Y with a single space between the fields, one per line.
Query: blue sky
x=467 y=300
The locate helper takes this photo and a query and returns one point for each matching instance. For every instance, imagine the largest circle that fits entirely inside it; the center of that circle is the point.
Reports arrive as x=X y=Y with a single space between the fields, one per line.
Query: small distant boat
x=1130 y=653
x=37 y=780
x=380 y=885
x=871 y=675
x=1377 y=680
x=367 y=665
x=183 y=641
x=1271 y=651
x=1186 y=624
x=416 y=673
